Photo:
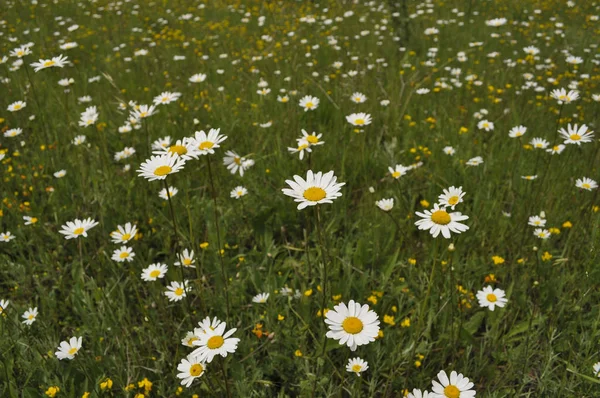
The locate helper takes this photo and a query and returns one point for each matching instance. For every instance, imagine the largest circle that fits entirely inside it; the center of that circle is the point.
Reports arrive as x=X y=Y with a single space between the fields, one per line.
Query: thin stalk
x=224 y=371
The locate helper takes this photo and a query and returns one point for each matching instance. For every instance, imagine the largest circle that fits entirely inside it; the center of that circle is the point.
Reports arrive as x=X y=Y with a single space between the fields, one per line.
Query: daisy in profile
x=385 y=204
x=166 y=98
x=186 y=258
x=457 y=386
x=68 y=350
x=207 y=324
x=165 y=196
x=260 y=298
x=518 y=131
x=303 y=146
x=190 y=369
x=55 y=62
x=490 y=298
x=11 y=133
x=236 y=163
x=536 y=221
x=352 y=325
x=6 y=236
x=451 y=197
x=16 y=106
x=316 y=189
x=359 y=119
x=76 y=228
x=29 y=316
x=206 y=143
x=124 y=254
x=309 y=103
x=416 y=393
x=158 y=167
x=563 y=97
x=215 y=342
x=476 y=161
x=576 y=134
x=542 y=233
x=60 y=173
x=124 y=234
x=596 y=368
x=197 y=78
x=143 y=111
x=398 y=171
x=154 y=272
x=357 y=366
x=4 y=305
x=586 y=183
x=238 y=192
x=358 y=98
x=176 y=291
x=438 y=220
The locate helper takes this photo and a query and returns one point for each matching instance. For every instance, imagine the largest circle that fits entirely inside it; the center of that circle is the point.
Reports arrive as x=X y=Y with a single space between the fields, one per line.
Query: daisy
x=182 y=148
x=29 y=316
x=359 y=119
x=422 y=91
x=189 y=339
x=564 y=97
x=158 y=167
x=309 y=103
x=30 y=220
x=163 y=193
x=283 y=99
x=476 y=161
x=490 y=297
x=235 y=163
x=11 y=133
x=496 y=22
x=78 y=140
x=206 y=143
x=485 y=125
x=123 y=254
x=186 y=258
x=215 y=342
x=207 y=324
x=260 y=298
x=530 y=178
x=198 y=78
x=20 y=52
x=124 y=234
x=416 y=393
x=57 y=62
x=190 y=369
x=451 y=197
x=596 y=368
x=542 y=233
x=177 y=290
x=531 y=50
x=89 y=117
x=3 y=305
x=238 y=192
x=556 y=149
x=448 y=150
x=312 y=139
x=143 y=111
x=518 y=131
x=352 y=325
x=77 y=228
x=16 y=106
x=68 y=350
x=166 y=98
x=385 y=204
x=357 y=366
x=398 y=171
x=586 y=183
x=358 y=98
x=439 y=220
x=154 y=272
x=6 y=236
x=60 y=173
x=457 y=386
x=576 y=135
x=316 y=189
x=536 y=221
x=303 y=146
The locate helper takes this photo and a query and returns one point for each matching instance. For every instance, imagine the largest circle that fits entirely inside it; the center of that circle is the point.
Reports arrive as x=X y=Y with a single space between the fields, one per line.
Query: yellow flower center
x=154 y=274
x=179 y=291
x=356 y=368
x=126 y=237
x=31 y=316
x=215 y=342
x=312 y=139
x=187 y=261
x=309 y=105
x=352 y=325
x=441 y=217
x=49 y=63
x=196 y=370
x=162 y=170
x=237 y=160
x=357 y=99
x=453 y=200
x=206 y=145
x=396 y=174
x=575 y=137
x=73 y=351
x=124 y=255
x=538 y=145
x=79 y=231
x=178 y=149
x=314 y=194
x=359 y=122
x=492 y=298
x=302 y=147
x=191 y=341
x=17 y=107
x=555 y=148
x=586 y=185
x=33 y=220
x=451 y=391
x=143 y=114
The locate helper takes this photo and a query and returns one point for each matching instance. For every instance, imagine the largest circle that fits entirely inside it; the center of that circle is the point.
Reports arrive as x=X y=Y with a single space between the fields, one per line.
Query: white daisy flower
x=235 y=163
x=457 y=386
x=186 y=258
x=29 y=316
x=238 y=192
x=159 y=167
x=124 y=234
x=357 y=366
x=176 y=291
x=163 y=193
x=303 y=146
x=416 y=393
x=586 y=183
x=6 y=236
x=490 y=298
x=451 y=197
x=542 y=233
x=206 y=143
x=358 y=98
x=385 y=204
x=215 y=342
x=359 y=119
x=190 y=369
x=309 y=103
x=16 y=106
x=316 y=189
x=68 y=350
x=260 y=298
x=518 y=131
x=198 y=78
x=576 y=134
x=77 y=228
x=439 y=220
x=123 y=254
x=536 y=221
x=4 y=305
x=154 y=272
x=312 y=139
x=207 y=324
x=352 y=325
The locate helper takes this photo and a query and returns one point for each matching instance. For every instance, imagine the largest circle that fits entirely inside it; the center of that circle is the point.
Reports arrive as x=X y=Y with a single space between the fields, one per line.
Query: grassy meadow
x=399 y=99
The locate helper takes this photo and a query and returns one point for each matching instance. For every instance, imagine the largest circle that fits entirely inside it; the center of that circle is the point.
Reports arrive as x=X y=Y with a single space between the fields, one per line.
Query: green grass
x=542 y=344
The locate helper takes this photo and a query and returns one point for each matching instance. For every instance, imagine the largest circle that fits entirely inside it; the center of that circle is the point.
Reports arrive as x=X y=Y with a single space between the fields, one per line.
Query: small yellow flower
x=412 y=261
x=203 y=245
x=52 y=391
x=106 y=384
x=554 y=231
x=298 y=353
x=389 y=319
x=546 y=256
x=567 y=224
x=308 y=292
x=497 y=260
x=130 y=387
x=417 y=364
x=405 y=323
x=490 y=278
x=85 y=395
x=280 y=317
x=372 y=299
x=463 y=130
x=380 y=334
x=336 y=297
x=424 y=203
